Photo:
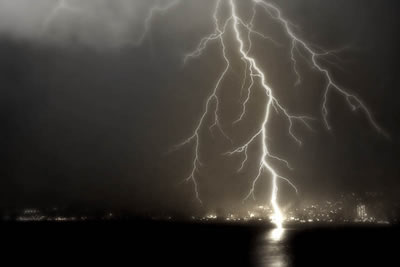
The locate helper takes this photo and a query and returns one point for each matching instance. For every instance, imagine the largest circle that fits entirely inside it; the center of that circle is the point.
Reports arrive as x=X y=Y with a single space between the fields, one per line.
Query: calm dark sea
x=146 y=243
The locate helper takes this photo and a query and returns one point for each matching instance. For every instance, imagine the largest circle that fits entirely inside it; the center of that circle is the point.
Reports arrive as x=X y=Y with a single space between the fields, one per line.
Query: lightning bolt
x=59 y=7
x=297 y=43
x=243 y=33
x=155 y=10
x=158 y=9
x=255 y=76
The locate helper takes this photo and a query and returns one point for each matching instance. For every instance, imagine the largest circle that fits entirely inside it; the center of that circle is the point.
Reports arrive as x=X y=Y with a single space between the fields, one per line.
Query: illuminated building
x=361 y=213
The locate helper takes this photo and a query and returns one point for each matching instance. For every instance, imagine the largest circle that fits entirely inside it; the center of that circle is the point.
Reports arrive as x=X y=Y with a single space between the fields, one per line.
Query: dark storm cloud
x=81 y=125
x=97 y=23
x=89 y=21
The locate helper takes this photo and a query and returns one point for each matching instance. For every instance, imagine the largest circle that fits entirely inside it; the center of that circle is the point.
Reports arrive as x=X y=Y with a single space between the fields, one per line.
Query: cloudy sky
x=89 y=118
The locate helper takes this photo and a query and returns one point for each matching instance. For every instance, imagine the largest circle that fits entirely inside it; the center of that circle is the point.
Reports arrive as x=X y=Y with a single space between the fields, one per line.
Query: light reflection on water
x=272 y=249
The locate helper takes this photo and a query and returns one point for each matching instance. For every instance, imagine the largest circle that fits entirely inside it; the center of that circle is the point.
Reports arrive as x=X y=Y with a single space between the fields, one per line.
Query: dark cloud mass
x=95 y=23
x=88 y=21
x=89 y=120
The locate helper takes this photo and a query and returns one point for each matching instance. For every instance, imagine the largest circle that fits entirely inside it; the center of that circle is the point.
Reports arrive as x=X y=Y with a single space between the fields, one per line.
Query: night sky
x=89 y=121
